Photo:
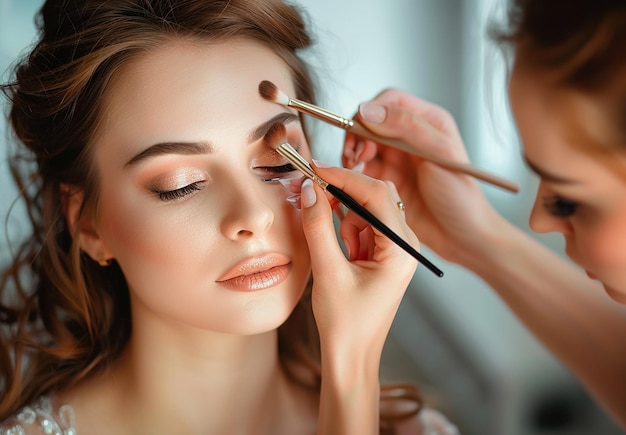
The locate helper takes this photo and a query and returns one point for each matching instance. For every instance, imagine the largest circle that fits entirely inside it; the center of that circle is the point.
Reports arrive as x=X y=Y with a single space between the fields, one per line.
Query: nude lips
x=257 y=273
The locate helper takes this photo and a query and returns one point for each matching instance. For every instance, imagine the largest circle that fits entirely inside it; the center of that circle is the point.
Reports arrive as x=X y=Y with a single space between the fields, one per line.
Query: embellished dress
x=43 y=417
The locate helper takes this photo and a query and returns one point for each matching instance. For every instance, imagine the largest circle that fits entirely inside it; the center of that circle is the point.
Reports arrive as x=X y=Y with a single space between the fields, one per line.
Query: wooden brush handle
x=465 y=168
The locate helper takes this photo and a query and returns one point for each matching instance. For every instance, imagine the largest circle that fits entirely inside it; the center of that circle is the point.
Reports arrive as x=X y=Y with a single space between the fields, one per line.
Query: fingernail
x=292 y=184
x=359 y=167
x=348 y=153
x=307 y=196
x=360 y=145
x=294 y=200
x=373 y=112
x=321 y=164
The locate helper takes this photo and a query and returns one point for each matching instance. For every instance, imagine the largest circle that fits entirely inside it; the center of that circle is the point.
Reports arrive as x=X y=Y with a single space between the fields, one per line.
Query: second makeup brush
x=276 y=138
x=270 y=92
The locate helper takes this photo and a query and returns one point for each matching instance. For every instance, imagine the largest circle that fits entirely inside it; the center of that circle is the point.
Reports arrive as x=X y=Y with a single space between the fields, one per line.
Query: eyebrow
x=547 y=175
x=261 y=130
x=193 y=148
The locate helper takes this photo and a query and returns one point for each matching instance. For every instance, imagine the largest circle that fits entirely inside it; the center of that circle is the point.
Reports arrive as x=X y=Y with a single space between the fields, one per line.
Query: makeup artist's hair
x=583 y=41
x=63 y=317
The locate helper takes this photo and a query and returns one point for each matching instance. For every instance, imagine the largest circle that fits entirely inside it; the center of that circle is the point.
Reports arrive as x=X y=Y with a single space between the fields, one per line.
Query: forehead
x=189 y=90
x=559 y=119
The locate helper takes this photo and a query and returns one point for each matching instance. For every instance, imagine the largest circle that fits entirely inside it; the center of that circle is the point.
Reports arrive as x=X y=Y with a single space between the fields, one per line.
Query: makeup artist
x=568 y=95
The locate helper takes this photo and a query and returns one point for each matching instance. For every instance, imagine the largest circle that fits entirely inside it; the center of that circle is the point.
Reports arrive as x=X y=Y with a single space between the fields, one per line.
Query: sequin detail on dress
x=41 y=413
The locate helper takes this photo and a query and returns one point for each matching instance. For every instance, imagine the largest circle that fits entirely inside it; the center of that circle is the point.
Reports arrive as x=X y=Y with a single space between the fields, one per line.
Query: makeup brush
x=276 y=138
x=270 y=92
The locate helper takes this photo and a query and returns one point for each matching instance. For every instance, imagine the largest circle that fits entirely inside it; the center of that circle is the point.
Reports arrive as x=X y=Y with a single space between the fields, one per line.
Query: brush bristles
x=276 y=135
x=270 y=92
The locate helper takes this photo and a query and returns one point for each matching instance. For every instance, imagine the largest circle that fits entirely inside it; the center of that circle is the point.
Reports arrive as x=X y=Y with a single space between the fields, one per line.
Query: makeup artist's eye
x=172 y=195
x=560 y=207
x=275 y=173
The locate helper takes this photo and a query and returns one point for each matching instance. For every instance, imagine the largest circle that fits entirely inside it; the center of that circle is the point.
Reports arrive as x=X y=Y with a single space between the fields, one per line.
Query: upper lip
x=255 y=264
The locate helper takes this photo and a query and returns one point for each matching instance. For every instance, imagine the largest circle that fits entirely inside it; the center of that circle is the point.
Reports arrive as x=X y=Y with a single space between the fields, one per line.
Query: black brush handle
x=355 y=206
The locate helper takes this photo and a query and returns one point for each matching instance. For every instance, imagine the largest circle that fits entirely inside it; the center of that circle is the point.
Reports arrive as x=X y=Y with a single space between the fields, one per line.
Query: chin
x=616 y=295
x=264 y=315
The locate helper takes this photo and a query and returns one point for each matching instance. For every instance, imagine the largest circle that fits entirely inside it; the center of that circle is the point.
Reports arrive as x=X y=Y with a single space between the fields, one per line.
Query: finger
x=356 y=152
x=353 y=226
x=371 y=193
x=319 y=228
x=436 y=115
x=393 y=191
x=410 y=128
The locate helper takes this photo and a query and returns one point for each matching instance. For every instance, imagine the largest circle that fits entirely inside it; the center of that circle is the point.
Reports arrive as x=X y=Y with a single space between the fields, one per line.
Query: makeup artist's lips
x=257 y=273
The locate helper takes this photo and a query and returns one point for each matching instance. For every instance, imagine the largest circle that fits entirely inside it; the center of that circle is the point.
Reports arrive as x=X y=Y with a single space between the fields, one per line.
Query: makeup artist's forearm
x=569 y=313
x=350 y=394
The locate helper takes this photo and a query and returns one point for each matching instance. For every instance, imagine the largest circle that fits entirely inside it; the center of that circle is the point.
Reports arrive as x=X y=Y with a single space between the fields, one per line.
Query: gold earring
x=104 y=262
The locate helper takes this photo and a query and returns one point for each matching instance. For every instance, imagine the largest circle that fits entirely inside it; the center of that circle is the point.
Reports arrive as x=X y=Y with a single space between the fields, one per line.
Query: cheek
x=141 y=233
x=603 y=249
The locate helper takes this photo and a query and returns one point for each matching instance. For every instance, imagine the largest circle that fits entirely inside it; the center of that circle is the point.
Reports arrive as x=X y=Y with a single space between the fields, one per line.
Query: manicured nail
x=360 y=145
x=359 y=167
x=372 y=112
x=292 y=184
x=321 y=164
x=294 y=200
x=307 y=196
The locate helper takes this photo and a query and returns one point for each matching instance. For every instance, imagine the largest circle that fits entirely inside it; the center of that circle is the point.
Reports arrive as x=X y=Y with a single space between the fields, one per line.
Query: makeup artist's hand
x=359 y=296
x=354 y=299
x=447 y=210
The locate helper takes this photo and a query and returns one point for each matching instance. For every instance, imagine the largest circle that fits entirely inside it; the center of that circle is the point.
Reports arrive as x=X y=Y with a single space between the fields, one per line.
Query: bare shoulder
x=428 y=422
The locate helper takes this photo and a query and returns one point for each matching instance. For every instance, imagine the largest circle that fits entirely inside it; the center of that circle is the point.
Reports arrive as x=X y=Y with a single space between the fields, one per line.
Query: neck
x=200 y=381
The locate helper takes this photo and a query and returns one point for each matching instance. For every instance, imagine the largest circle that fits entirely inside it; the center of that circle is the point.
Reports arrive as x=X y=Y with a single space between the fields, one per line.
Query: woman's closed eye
x=560 y=207
x=276 y=173
x=180 y=193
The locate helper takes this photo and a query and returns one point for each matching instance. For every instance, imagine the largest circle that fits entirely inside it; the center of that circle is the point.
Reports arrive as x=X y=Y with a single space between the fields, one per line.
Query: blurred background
x=452 y=336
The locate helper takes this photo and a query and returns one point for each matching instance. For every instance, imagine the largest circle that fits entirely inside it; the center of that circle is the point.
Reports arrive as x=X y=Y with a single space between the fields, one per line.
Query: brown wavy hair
x=583 y=41
x=64 y=318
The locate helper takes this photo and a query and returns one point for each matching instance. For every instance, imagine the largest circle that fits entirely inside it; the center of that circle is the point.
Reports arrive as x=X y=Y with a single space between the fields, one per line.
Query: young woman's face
x=573 y=142
x=188 y=207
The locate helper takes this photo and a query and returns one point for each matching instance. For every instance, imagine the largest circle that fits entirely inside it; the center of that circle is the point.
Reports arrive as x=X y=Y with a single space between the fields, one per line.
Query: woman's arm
x=569 y=313
x=354 y=299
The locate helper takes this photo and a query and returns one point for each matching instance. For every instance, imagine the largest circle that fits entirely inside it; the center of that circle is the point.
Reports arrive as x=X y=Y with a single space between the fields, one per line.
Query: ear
x=83 y=228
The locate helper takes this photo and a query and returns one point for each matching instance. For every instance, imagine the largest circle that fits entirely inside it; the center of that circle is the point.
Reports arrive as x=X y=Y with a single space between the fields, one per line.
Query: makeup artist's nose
x=541 y=221
x=248 y=214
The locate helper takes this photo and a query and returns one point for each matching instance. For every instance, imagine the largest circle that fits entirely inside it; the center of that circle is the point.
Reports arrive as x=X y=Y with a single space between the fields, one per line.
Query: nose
x=541 y=221
x=248 y=212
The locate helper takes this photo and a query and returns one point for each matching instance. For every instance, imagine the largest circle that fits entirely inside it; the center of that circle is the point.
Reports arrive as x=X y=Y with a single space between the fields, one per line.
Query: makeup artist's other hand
x=356 y=299
x=447 y=210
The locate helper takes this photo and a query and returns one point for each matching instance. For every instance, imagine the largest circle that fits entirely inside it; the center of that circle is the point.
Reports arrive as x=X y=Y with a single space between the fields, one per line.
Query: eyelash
x=172 y=195
x=560 y=207
x=282 y=169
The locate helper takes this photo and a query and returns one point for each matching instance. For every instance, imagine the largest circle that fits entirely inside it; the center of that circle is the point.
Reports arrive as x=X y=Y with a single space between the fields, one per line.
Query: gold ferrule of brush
x=322 y=114
x=288 y=152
